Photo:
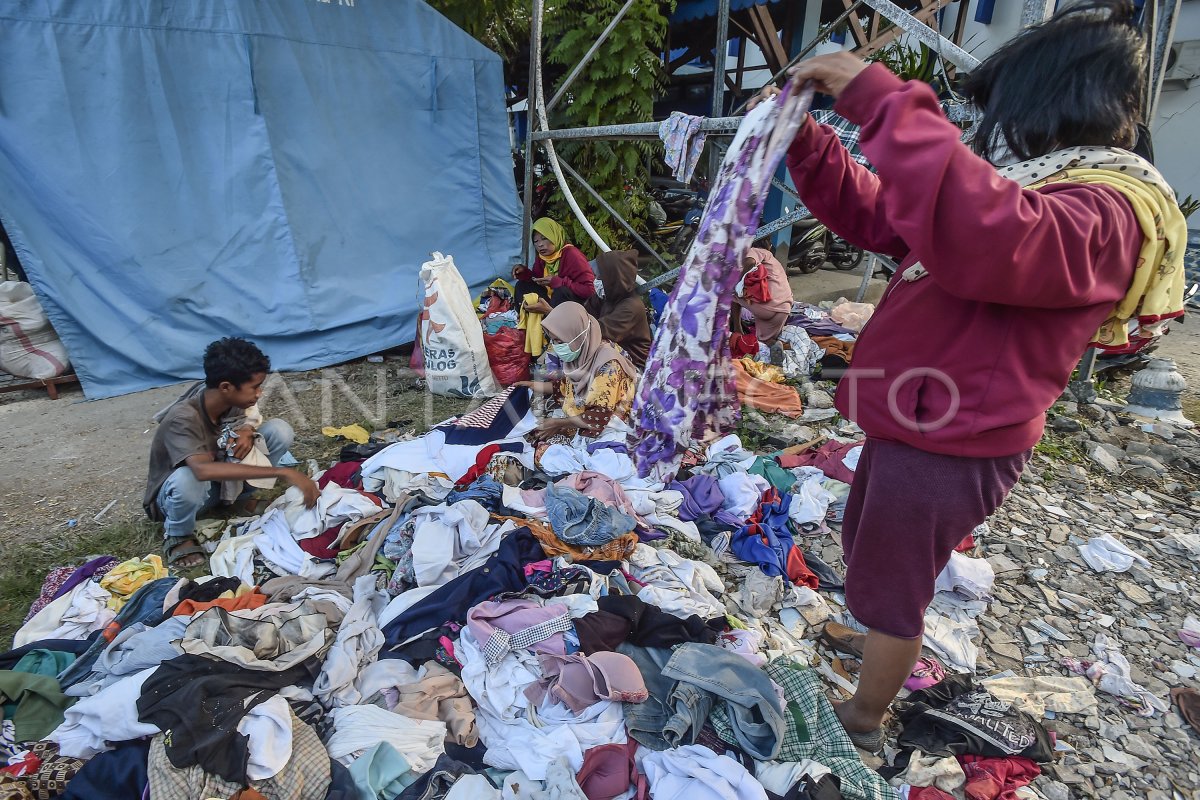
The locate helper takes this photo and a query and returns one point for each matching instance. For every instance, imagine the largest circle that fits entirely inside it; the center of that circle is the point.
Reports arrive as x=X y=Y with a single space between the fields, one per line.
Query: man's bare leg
x=887 y=662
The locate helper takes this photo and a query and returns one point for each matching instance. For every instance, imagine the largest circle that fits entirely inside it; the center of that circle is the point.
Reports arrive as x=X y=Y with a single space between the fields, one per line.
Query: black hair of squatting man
x=234 y=360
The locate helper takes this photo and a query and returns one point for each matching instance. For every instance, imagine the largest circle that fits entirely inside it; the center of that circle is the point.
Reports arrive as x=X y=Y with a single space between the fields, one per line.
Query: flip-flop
x=177 y=548
x=843 y=639
x=871 y=742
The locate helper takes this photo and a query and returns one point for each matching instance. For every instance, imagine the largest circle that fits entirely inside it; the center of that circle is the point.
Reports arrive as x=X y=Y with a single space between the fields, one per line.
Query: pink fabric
x=927 y=672
x=512 y=617
x=579 y=681
x=828 y=458
x=538 y=566
x=944 y=364
x=771 y=315
x=609 y=770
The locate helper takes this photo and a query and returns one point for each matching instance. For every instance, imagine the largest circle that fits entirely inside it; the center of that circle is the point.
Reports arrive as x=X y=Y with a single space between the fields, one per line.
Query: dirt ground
x=69 y=459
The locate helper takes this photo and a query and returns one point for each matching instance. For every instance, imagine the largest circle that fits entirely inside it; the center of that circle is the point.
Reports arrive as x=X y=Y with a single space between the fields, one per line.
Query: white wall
x=1177 y=126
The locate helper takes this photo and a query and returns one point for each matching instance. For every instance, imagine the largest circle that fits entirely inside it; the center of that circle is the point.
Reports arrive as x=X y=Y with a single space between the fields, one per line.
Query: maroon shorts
x=907 y=511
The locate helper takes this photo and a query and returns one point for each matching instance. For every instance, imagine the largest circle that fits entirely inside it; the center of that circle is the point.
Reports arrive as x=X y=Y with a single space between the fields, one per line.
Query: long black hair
x=1071 y=81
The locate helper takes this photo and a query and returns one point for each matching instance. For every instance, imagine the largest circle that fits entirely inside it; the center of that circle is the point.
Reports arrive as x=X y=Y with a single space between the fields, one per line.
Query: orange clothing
x=242 y=602
x=773 y=398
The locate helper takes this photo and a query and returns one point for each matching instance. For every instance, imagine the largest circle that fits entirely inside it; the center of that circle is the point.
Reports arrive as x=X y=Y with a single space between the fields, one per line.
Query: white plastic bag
x=29 y=347
x=456 y=361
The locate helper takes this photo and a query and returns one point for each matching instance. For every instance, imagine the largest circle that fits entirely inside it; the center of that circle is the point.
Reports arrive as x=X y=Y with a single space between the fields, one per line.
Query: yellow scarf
x=1155 y=294
x=558 y=237
x=531 y=323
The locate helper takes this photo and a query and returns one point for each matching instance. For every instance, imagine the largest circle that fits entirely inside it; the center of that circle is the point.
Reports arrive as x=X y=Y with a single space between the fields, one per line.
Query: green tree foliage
x=619 y=85
x=502 y=25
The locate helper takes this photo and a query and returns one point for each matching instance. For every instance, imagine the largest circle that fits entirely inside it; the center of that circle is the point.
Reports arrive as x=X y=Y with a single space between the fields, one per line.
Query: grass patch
x=1059 y=448
x=21 y=578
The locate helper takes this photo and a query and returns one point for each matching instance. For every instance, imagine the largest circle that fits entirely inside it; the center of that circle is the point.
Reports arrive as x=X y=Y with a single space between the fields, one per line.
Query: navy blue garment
x=74 y=646
x=504 y=571
x=341 y=783
x=146 y=605
x=118 y=774
x=771 y=556
x=492 y=421
x=658 y=301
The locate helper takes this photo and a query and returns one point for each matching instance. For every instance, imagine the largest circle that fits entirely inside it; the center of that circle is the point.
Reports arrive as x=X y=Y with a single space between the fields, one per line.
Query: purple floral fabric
x=688 y=387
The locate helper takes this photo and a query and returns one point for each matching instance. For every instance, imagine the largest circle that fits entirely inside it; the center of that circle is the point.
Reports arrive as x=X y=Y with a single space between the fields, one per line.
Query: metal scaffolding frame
x=540 y=132
x=1160 y=25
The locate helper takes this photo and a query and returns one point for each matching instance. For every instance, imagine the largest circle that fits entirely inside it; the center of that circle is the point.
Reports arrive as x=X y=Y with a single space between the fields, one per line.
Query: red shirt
x=966 y=360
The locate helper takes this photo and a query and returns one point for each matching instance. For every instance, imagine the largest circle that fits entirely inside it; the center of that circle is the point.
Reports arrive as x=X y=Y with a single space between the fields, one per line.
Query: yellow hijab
x=558 y=237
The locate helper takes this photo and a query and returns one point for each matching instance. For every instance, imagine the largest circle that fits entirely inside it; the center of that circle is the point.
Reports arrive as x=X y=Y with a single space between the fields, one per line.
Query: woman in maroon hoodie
x=560 y=274
x=1001 y=289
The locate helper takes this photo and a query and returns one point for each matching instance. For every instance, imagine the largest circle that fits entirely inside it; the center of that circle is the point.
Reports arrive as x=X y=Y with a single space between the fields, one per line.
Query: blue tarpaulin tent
x=174 y=171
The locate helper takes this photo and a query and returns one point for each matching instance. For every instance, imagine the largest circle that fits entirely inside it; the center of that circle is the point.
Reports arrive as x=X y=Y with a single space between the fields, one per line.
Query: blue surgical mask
x=563 y=349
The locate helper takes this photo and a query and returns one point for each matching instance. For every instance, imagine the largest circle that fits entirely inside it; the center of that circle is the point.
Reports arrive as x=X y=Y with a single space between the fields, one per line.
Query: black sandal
x=177 y=549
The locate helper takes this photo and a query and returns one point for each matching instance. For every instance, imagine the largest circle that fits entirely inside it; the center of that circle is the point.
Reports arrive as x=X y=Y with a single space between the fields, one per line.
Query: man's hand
x=307 y=486
x=831 y=73
x=244 y=443
x=543 y=281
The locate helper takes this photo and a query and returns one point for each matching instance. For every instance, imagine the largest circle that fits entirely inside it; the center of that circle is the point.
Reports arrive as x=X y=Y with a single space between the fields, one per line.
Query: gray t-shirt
x=185 y=431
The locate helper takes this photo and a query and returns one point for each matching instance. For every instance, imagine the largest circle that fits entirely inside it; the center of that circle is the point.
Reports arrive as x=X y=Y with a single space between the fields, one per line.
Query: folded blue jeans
x=584 y=521
x=754 y=709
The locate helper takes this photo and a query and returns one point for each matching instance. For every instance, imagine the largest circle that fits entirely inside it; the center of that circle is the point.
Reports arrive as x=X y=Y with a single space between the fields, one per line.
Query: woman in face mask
x=596 y=381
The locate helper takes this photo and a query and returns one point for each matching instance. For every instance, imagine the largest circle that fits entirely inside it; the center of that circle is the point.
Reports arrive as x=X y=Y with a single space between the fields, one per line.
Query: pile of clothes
x=815 y=343
x=449 y=621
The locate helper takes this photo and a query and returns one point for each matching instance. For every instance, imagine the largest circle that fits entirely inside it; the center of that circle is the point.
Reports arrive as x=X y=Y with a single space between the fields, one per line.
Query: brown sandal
x=844 y=640
x=1188 y=702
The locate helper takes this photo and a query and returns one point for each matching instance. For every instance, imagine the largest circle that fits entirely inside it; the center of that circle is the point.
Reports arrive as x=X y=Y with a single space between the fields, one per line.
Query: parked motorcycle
x=676 y=214
x=813 y=244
